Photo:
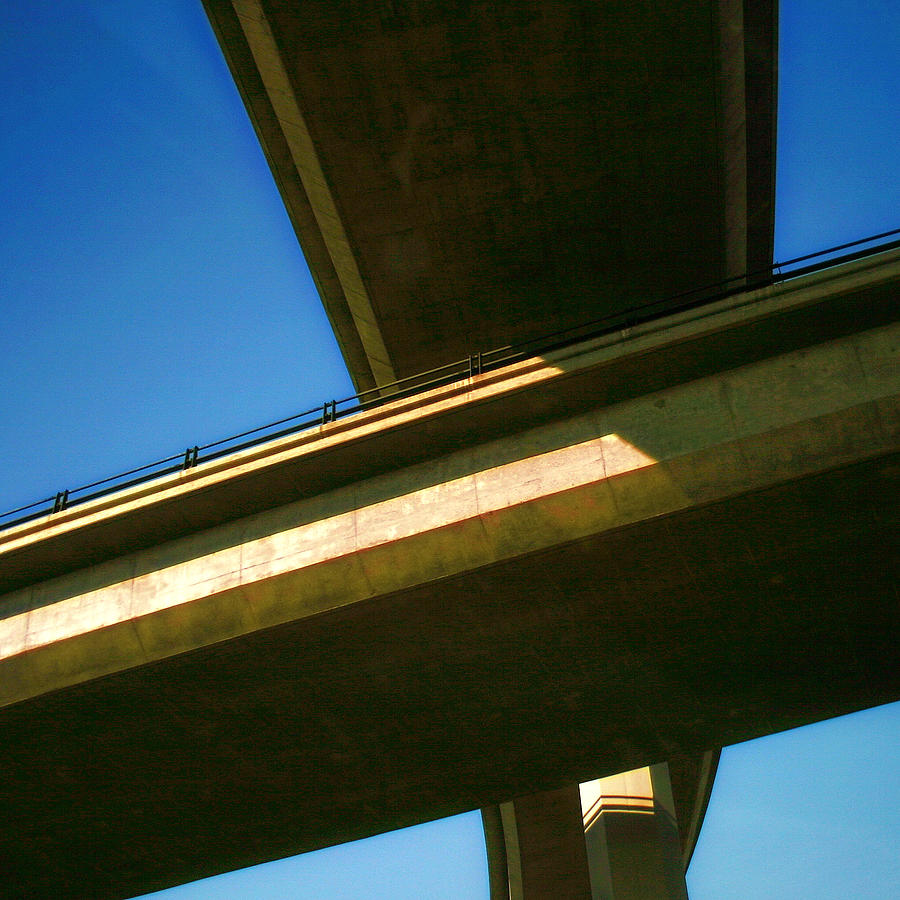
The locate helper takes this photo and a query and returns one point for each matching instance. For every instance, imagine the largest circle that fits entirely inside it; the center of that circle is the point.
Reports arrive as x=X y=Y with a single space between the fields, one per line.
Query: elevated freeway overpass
x=471 y=174
x=624 y=551
x=627 y=550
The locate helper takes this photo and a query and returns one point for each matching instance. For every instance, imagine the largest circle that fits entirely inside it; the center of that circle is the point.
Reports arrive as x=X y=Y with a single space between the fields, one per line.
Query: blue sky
x=153 y=296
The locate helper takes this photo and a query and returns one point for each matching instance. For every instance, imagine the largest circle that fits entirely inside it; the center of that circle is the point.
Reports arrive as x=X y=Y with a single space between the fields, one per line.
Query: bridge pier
x=613 y=838
x=632 y=838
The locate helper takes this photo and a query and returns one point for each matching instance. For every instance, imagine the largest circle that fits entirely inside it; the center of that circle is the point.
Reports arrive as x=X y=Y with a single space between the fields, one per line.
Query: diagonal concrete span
x=636 y=547
x=466 y=175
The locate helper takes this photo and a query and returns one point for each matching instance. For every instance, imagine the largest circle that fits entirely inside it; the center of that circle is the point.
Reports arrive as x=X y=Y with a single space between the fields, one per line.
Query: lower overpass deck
x=631 y=549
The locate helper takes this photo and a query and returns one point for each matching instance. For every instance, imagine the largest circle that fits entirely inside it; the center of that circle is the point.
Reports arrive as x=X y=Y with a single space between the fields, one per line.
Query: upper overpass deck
x=473 y=174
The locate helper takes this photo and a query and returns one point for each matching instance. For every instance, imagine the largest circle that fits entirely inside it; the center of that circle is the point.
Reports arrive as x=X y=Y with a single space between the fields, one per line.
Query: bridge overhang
x=466 y=175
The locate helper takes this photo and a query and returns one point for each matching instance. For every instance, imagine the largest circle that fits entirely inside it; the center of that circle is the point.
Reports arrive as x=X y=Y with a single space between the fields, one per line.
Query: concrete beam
x=620 y=578
x=745 y=430
x=282 y=159
x=465 y=178
x=615 y=368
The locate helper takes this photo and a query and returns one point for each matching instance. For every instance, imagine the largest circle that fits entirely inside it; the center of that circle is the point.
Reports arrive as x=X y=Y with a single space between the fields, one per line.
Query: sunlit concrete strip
x=744 y=429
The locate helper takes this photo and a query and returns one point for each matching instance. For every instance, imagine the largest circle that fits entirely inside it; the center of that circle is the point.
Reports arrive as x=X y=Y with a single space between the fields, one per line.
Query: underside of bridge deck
x=465 y=175
x=699 y=629
x=462 y=176
x=621 y=579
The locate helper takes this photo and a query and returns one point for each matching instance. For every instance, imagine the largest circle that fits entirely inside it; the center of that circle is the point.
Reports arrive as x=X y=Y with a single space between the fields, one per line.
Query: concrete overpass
x=591 y=561
x=625 y=551
x=470 y=174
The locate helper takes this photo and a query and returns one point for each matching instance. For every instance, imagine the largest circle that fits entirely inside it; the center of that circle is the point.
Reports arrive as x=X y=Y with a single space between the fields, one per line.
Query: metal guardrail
x=480 y=362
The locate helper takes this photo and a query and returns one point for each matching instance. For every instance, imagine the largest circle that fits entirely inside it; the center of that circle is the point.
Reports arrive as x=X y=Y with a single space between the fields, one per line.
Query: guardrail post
x=190 y=457
x=329 y=411
x=61 y=501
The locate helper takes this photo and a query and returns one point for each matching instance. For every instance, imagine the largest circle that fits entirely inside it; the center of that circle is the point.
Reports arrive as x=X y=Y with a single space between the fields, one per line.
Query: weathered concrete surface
x=619 y=367
x=592 y=591
x=779 y=419
x=754 y=427
x=463 y=176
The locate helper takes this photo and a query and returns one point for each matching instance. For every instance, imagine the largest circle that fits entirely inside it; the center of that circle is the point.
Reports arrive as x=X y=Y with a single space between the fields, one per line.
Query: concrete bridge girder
x=694 y=444
x=625 y=569
x=465 y=176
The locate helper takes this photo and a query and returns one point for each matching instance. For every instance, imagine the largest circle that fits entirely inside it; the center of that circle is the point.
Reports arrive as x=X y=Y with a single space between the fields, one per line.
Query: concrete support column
x=614 y=838
x=631 y=833
x=536 y=848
